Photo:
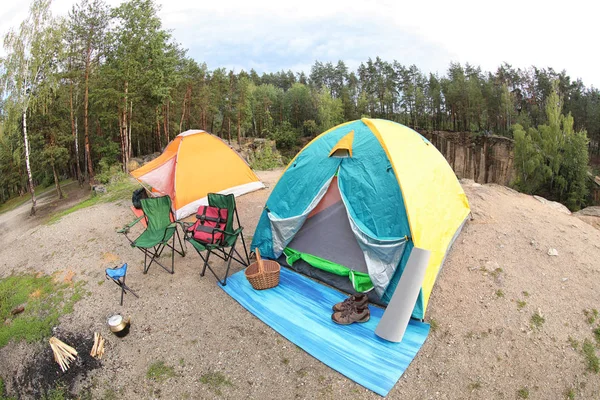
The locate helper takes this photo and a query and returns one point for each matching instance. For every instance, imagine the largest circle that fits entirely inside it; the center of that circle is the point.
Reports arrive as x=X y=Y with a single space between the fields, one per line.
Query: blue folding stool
x=117 y=274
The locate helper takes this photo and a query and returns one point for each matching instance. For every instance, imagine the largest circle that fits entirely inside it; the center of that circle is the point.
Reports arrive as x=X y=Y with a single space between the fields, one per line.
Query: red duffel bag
x=208 y=219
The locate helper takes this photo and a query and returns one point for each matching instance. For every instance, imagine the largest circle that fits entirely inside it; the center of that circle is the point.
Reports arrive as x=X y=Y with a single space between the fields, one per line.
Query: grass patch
x=44 y=300
x=523 y=393
x=574 y=343
x=497 y=272
x=570 y=394
x=216 y=381
x=433 y=324
x=285 y=361
x=597 y=334
x=525 y=293
x=521 y=304
x=474 y=386
x=537 y=320
x=110 y=394
x=17 y=201
x=591 y=315
x=115 y=191
x=499 y=293
x=160 y=372
x=302 y=372
x=58 y=393
x=591 y=359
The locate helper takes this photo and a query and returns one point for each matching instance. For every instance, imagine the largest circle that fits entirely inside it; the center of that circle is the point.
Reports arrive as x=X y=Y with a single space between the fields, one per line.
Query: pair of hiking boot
x=353 y=309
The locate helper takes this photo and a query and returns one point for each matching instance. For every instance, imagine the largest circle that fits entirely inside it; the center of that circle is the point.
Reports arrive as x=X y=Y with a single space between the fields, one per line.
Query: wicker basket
x=263 y=274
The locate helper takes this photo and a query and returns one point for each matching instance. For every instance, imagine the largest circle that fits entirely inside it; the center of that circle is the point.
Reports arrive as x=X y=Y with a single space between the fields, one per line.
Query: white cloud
x=272 y=35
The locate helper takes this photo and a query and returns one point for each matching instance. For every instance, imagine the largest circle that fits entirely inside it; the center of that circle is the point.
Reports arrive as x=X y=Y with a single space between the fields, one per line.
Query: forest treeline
x=102 y=85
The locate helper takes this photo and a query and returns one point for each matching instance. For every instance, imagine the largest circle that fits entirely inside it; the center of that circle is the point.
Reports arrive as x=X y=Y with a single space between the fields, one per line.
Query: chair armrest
x=228 y=234
x=185 y=226
x=169 y=228
x=127 y=227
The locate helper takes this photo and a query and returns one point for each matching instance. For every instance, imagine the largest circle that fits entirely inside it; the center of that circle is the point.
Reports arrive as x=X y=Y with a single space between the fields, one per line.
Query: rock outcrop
x=484 y=158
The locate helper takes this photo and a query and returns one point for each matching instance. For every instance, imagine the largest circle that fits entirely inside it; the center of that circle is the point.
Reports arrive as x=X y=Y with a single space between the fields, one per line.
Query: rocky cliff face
x=485 y=159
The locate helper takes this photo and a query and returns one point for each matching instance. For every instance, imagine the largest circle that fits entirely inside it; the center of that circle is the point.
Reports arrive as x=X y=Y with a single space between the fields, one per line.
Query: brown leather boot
x=351 y=315
x=359 y=300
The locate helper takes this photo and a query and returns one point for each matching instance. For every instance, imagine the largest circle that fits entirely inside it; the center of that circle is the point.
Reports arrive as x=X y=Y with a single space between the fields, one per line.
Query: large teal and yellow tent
x=351 y=206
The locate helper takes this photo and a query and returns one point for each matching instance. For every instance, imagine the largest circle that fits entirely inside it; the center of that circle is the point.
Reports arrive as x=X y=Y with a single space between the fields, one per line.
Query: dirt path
x=17 y=221
x=483 y=345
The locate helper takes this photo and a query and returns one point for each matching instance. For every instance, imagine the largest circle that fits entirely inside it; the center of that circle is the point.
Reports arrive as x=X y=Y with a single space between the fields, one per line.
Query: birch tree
x=31 y=51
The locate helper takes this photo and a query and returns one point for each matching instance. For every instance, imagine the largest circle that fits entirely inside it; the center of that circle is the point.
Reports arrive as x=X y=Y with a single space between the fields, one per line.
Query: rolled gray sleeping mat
x=395 y=319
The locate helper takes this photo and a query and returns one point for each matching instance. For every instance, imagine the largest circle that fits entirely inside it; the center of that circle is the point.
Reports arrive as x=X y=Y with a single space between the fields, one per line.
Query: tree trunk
x=121 y=138
x=453 y=118
x=129 y=130
x=74 y=132
x=229 y=128
x=168 y=122
x=27 y=164
x=239 y=132
x=85 y=153
x=56 y=183
x=85 y=115
x=165 y=126
x=157 y=128
x=183 y=110
x=124 y=130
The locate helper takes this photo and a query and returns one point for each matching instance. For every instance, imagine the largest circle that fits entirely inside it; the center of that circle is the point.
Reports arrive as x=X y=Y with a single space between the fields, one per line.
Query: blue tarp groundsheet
x=300 y=310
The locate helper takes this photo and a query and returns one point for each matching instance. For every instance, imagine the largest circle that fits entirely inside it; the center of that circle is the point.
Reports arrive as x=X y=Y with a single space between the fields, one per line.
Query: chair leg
x=145 y=262
x=154 y=258
x=237 y=216
x=180 y=244
x=122 y=289
x=224 y=283
x=227 y=257
x=173 y=255
x=245 y=249
x=206 y=262
x=182 y=252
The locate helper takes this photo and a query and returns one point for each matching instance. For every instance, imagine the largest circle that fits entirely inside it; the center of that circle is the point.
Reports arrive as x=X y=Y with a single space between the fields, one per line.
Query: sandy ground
x=483 y=345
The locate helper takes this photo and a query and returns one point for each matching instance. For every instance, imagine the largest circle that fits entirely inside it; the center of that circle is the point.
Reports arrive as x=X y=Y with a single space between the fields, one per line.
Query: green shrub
x=552 y=160
x=285 y=136
x=310 y=128
x=264 y=159
x=110 y=173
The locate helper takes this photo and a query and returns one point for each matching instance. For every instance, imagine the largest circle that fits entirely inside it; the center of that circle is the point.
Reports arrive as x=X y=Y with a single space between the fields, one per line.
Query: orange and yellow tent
x=194 y=164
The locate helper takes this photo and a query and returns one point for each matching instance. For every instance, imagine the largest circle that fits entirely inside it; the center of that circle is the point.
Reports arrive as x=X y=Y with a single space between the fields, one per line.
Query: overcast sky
x=272 y=35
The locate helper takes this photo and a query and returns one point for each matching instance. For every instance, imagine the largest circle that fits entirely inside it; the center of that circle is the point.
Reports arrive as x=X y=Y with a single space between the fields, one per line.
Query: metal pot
x=117 y=323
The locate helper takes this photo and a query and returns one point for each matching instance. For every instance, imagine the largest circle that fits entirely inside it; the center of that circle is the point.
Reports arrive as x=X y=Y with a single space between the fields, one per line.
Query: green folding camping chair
x=225 y=248
x=160 y=228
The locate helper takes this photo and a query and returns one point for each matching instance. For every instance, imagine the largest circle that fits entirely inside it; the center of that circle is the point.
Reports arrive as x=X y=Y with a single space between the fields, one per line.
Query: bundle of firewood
x=98 y=348
x=63 y=353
